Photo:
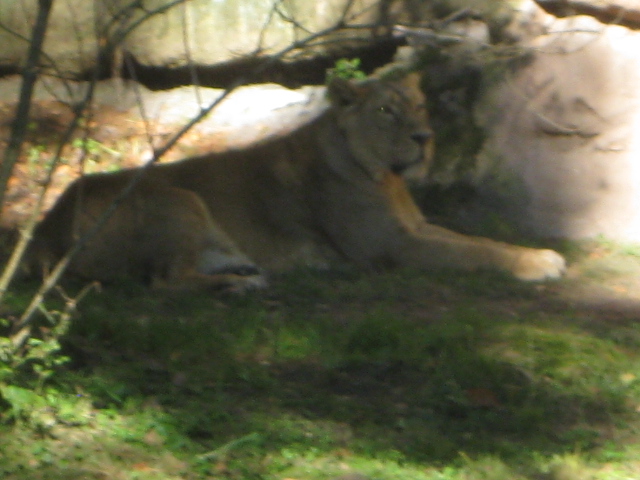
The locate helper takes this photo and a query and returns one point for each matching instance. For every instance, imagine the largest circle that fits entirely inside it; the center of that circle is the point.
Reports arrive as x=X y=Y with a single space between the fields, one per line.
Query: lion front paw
x=249 y=283
x=535 y=265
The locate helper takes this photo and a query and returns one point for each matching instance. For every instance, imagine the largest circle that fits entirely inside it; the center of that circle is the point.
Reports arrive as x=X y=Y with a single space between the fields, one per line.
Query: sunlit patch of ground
x=604 y=278
x=110 y=140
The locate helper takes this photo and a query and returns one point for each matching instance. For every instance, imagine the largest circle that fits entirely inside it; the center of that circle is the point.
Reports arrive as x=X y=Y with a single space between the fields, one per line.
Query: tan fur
x=331 y=191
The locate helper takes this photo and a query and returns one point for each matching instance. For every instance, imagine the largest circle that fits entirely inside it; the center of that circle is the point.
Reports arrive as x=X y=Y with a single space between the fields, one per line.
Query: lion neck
x=337 y=156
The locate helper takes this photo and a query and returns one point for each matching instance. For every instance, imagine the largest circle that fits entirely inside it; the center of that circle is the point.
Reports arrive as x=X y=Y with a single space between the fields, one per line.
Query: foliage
x=26 y=366
x=399 y=375
x=346 y=68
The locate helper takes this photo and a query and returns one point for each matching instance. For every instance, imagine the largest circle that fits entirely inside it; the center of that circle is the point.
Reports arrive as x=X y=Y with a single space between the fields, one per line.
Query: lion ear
x=412 y=87
x=344 y=92
x=411 y=81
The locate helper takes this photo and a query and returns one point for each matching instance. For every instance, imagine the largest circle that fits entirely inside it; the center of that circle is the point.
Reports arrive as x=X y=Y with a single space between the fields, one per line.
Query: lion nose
x=421 y=137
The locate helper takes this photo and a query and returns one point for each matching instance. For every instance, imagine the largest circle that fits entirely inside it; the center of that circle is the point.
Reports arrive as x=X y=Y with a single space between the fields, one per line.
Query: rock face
x=563 y=148
x=128 y=120
x=247 y=115
x=202 y=32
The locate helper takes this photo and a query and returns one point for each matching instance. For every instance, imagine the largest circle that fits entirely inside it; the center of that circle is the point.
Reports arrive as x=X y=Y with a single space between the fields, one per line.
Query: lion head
x=385 y=124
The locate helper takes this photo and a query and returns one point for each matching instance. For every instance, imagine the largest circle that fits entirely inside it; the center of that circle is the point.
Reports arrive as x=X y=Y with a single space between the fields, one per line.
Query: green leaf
x=21 y=400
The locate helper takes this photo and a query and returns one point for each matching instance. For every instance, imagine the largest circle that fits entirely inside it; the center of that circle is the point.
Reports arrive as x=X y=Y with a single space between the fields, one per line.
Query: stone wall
x=202 y=32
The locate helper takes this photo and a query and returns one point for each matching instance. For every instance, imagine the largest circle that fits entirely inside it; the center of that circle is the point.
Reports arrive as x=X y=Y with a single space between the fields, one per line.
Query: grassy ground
x=445 y=376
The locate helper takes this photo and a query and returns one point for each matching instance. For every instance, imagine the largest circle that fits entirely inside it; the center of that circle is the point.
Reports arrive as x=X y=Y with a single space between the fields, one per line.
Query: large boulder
x=229 y=118
x=562 y=154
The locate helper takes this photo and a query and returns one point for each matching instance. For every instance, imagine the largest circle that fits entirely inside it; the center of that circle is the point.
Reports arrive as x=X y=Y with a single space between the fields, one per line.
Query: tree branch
x=609 y=13
x=29 y=78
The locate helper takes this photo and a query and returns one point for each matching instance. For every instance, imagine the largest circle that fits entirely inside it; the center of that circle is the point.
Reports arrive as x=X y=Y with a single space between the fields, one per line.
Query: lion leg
x=427 y=244
x=199 y=254
x=435 y=246
x=160 y=235
x=402 y=237
x=224 y=282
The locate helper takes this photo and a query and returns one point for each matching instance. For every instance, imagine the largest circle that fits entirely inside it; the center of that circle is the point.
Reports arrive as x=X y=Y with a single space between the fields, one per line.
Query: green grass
x=430 y=377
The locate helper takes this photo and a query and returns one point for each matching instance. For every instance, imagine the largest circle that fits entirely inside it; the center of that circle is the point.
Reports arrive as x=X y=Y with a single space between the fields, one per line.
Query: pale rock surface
x=563 y=153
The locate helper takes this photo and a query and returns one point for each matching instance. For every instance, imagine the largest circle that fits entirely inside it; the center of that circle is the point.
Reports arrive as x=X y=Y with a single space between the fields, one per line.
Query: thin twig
x=265 y=26
x=26 y=232
x=29 y=78
x=186 y=40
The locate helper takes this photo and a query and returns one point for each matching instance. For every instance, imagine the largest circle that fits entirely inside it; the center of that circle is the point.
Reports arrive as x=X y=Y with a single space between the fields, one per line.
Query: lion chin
x=332 y=191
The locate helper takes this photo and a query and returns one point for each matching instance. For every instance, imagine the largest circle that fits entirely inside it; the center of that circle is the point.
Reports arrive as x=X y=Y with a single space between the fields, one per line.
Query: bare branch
x=30 y=76
x=186 y=40
x=290 y=19
x=50 y=61
x=26 y=232
x=605 y=12
x=122 y=33
x=263 y=30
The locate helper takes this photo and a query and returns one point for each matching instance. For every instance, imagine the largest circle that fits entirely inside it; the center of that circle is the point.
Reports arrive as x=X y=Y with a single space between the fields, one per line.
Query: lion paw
x=246 y=283
x=254 y=282
x=536 y=265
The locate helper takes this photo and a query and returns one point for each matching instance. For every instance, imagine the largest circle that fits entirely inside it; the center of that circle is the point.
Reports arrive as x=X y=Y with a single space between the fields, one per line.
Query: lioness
x=333 y=189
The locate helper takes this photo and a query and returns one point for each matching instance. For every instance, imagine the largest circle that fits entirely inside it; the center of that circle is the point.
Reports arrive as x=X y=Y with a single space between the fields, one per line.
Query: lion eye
x=386 y=110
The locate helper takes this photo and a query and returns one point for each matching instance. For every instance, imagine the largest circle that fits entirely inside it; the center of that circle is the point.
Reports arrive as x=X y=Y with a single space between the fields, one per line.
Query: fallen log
x=616 y=12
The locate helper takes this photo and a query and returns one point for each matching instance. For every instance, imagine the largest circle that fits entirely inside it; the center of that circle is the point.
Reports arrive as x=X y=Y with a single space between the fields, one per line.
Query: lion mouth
x=400 y=167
